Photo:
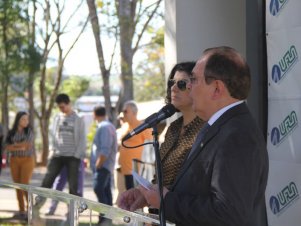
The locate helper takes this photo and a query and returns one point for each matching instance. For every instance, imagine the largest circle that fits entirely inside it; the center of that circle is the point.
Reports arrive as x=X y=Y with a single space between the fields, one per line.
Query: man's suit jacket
x=223 y=181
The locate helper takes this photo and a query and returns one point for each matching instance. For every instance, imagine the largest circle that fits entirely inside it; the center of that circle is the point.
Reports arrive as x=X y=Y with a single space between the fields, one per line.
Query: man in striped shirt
x=68 y=145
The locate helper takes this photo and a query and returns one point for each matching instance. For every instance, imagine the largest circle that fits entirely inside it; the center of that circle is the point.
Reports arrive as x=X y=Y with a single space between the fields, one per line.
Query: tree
x=74 y=86
x=133 y=21
x=12 y=24
x=56 y=23
x=105 y=71
x=133 y=18
x=149 y=77
x=34 y=57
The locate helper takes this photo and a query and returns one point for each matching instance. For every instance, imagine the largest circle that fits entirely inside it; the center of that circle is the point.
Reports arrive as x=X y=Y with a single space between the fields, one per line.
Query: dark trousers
x=102 y=186
x=55 y=165
x=129 y=181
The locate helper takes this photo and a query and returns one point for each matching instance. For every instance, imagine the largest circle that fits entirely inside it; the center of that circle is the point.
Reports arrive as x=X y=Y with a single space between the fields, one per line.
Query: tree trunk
x=31 y=42
x=107 y=95
x=44 y=124
x=31 y=108
x=30 y=99
x=105 y=73
x=4 y=107
x=54 y=26
x=126 y=15
x=31 y=77
x=5 y=81
x=128 y=19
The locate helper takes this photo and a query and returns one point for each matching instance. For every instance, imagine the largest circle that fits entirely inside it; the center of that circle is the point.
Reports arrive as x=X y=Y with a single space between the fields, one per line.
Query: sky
x=83 y=59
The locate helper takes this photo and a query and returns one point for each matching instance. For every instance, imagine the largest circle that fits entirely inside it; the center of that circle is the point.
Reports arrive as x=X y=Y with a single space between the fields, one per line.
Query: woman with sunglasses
x=180 y=134
x=19 y=147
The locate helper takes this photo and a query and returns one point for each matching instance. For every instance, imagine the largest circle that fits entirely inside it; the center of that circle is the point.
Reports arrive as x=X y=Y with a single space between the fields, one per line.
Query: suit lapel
x=211 y=133
x=199 y=147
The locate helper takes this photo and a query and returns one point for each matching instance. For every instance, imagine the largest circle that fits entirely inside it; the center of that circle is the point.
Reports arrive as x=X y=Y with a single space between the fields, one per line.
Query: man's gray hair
x=132 y=104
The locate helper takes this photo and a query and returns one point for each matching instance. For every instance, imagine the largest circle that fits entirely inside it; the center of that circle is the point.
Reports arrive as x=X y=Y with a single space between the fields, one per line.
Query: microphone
x=167 y=111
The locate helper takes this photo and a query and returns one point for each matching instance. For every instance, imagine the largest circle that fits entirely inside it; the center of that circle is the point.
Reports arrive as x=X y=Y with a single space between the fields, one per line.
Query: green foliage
x=158 y=38
x=18 y=83
x=13 y=43
x=33 y=58
x=12 y=36
x=149 y=83
x=74 y=86
x=49 y=81
x=149 y=87
x=90 y=136
x=108 y=17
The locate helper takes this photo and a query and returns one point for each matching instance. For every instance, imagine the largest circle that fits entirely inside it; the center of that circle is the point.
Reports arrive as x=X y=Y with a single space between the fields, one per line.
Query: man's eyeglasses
x=193 y=80
x=181 y=84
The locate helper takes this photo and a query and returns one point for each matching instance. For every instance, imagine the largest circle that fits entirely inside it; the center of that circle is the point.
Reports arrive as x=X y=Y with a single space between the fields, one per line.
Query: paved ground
x=9 y=205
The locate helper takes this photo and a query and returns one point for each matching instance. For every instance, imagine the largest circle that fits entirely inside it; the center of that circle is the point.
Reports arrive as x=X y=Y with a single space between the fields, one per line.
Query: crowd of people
x=214 y=158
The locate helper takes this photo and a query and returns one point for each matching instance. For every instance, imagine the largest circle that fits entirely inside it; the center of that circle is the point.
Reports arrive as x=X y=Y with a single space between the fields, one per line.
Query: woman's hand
x=22 y=146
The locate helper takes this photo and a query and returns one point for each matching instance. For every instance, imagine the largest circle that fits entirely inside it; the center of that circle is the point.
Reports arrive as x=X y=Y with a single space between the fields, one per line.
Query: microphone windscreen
x=169 y=110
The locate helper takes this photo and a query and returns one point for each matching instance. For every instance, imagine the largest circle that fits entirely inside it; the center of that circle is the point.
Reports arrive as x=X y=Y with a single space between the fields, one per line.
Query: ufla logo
x=284 y=198
x=288 y=125
x=276 y=6
x=285 y=64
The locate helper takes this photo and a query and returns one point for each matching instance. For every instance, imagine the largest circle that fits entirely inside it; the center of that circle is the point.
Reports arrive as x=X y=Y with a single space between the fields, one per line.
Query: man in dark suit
x=222 y=182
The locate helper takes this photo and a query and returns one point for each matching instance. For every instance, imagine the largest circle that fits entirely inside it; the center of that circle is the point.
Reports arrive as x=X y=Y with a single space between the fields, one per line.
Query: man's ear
x=219 y=89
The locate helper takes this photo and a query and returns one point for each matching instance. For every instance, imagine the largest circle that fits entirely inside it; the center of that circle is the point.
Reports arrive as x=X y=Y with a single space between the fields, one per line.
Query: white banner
x=283 y=26
x=284 y=65
x=282 y=14
x=283 y=194
x=283 y=140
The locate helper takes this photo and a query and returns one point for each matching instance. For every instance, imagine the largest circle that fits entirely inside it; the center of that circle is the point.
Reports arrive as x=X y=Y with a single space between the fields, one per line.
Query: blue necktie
x=199 y=138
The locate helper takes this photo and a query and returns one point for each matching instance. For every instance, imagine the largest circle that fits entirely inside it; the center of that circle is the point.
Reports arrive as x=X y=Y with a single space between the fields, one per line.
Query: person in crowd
x=69 y=147
x=119 y=182
x=103 y=156
x=223 y=180
x=122 y=128
x=126 y=155
x=60 y=183
x=20 y=149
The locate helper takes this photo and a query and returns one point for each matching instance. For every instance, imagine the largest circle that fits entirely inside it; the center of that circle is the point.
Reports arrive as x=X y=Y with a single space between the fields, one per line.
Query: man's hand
x=131 y=200
x=152 y=196
x=100 y=161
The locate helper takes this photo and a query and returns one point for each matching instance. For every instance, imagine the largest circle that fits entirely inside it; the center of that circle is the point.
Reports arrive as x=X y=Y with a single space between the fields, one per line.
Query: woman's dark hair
x=181 y=67
x=13 y=131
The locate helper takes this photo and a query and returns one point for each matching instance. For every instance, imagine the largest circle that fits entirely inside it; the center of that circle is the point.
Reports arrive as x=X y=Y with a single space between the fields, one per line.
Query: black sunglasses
x=181 y=84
